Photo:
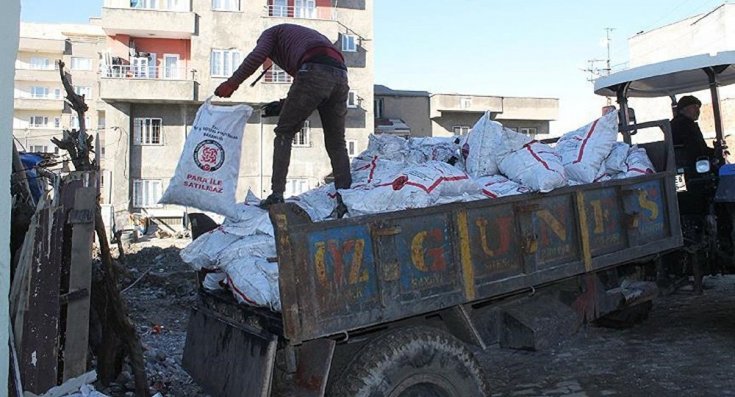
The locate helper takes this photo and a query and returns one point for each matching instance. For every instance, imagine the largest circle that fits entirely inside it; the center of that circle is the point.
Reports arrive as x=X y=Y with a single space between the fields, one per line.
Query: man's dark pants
x=316 y=87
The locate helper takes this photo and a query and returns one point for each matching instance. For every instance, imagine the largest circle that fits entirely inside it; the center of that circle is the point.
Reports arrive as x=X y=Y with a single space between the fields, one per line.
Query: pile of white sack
x=394 y=173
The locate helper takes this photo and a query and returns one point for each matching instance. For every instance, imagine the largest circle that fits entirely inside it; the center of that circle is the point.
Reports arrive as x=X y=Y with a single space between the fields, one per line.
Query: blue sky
x=534 y=48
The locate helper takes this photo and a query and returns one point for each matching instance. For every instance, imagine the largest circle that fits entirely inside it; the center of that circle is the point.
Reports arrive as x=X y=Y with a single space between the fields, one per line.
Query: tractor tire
x=417 y=361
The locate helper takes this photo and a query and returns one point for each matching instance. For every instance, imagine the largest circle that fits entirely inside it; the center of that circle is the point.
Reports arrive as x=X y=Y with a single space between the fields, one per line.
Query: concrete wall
x=414 y=110
x=9 y=30
x=443 y=126
x=118 y=139
x=704 y=33
x=710 y=32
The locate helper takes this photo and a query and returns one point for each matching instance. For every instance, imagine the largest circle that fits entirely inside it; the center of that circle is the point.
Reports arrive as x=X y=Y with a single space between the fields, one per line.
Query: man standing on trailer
x=320 y=83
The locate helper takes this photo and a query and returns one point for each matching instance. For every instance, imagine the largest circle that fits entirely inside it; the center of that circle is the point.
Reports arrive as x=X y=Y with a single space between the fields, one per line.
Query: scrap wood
x=118 y=331
x=120 y=338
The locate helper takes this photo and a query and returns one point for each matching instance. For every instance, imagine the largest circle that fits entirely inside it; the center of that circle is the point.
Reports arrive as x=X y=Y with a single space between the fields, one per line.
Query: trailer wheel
x=412 y=362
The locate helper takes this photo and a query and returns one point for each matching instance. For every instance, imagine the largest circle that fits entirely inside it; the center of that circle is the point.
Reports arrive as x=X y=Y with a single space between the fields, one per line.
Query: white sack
x=638 y=163
x=535 y=165
x=424 y=149
x=249 y=219
x=388 y=147
x=260 y=246
x=214 y=281
x=499 y=186
x=584 y=150
x=205 y=249
x=416 y=187
x=318 y=203
x=207 y=172
x=254 y=281
x=373 y=169
x=479 y=146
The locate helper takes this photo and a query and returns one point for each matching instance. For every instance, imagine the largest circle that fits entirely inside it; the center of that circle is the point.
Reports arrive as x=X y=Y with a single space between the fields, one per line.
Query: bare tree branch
x=76 y=142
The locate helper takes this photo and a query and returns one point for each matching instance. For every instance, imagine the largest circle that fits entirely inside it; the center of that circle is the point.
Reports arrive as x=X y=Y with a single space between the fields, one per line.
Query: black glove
x=270 y=200
x=273 y=109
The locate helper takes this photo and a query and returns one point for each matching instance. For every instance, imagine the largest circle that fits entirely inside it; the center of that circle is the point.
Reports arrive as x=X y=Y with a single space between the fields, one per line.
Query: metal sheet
x=225 y=358
x=671 y=77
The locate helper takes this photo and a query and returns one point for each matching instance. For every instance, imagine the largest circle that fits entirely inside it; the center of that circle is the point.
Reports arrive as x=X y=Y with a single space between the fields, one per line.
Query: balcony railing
x=155 y=5
x=277 y=77
x=277 y=11
x=146 y=72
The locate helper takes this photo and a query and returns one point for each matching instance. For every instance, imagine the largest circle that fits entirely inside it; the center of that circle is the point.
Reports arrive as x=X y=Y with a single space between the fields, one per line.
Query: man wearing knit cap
x=685 y=129
x=320 y=83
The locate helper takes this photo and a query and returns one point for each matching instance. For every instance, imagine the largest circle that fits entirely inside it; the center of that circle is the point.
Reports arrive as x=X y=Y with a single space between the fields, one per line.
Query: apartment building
x=163 y=58
x=40 y=112
x=706 y=33
x=420 y=113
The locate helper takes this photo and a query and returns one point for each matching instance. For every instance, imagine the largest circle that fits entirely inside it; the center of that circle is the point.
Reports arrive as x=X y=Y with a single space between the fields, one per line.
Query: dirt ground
x=685 y=348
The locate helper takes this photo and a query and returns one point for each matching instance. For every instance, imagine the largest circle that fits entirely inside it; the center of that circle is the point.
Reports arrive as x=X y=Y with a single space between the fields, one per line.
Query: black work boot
x=340 y=210
x=270 y=200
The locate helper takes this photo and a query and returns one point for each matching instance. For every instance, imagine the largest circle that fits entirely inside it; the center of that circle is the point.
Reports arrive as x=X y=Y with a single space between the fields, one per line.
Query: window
x=224 y=62
x=75 y=122
x=171 y=66
x=38 y=121
x=38 y=148
x=82 y=90
x=277 y=75
x=226 y=5
x=57 y=93
x=378 y=108
x=352 y=99
x=301 y=139
x=41 y=63
x=351 y=148
x=145 y=4
x=465 y=102
x=279 y=8
x=530 y=131
x=57 y=122
x=146 y=193
x=147 y=131
x=176 y=5
x=78 y=63
x=460 y=129
x=141 y=67
x=349 y=43
x=305 y=9
x=39 y=92
x=296 y=186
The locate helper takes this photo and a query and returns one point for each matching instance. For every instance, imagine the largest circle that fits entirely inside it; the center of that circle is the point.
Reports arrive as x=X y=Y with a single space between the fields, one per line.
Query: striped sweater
x=285 y=45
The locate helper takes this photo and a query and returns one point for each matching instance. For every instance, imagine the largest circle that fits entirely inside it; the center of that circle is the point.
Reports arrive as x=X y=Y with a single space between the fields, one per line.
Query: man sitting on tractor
x=686 y=132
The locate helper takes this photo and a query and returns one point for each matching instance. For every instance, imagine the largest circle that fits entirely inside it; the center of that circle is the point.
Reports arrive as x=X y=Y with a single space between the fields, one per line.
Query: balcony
x=37 y=75
x=160 y=19
x=52 y=104
x=137 y=84
x=323 y=13
x=48 y=46
x=277 y=76
x=324 y=19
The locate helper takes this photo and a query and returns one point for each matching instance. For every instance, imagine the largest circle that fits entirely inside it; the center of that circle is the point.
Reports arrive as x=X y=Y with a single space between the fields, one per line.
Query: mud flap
x=227 y=359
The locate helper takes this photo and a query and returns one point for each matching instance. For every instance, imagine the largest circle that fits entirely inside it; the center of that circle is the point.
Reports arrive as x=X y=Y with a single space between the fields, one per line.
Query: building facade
x=420 y=113
x=39 y=110
x=706 y=33
x=164 y=58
